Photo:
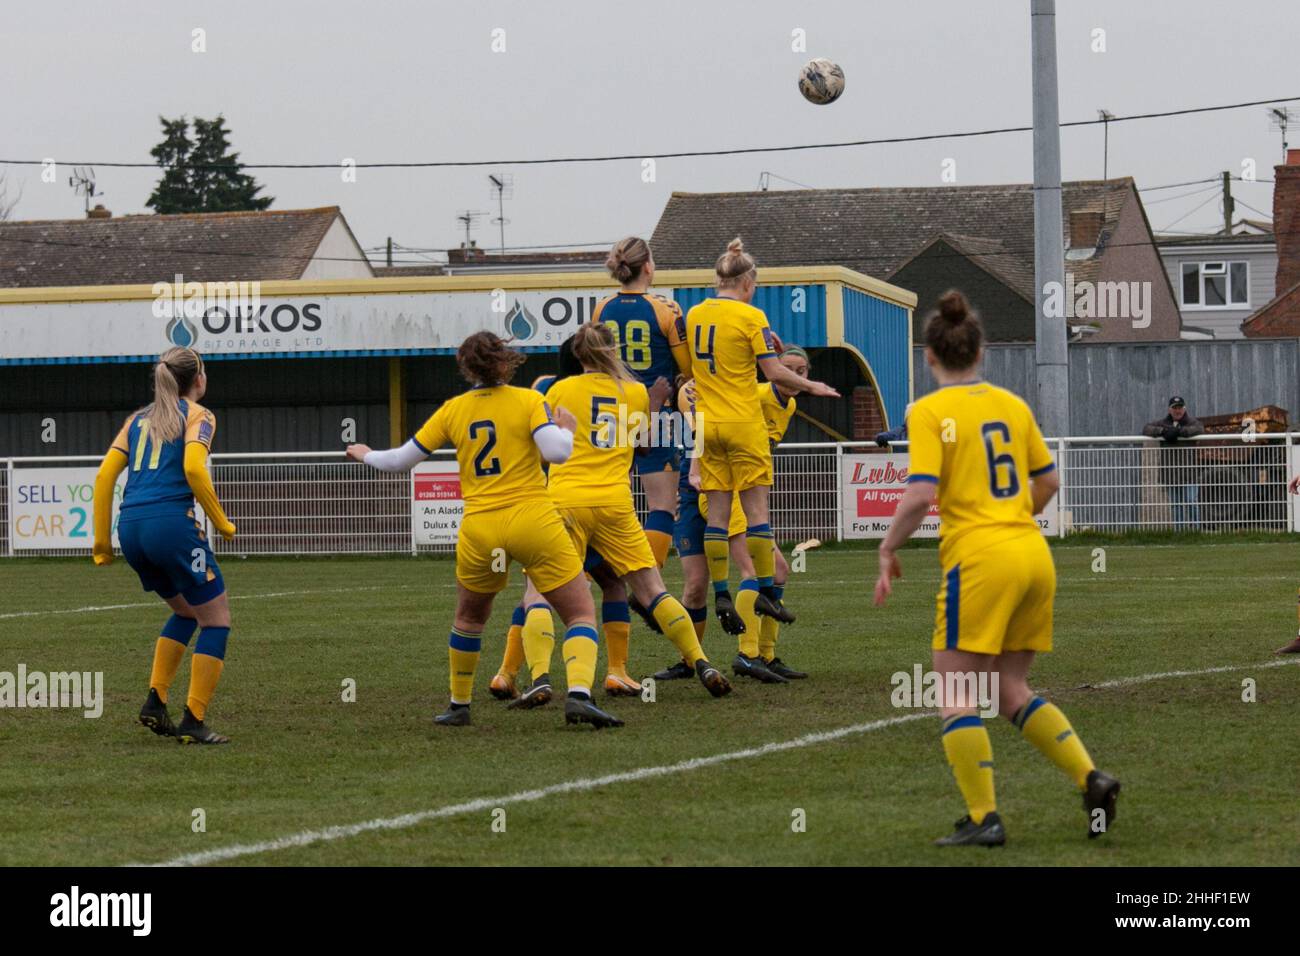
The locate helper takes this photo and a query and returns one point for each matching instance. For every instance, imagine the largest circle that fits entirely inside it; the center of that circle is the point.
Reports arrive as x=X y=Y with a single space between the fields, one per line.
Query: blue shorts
x=688 y=529
x=172 y=556
x=657 y=459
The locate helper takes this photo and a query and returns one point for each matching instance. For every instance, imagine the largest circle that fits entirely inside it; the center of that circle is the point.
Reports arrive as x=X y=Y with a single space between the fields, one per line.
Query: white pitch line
x=308 y=837
x=233 y=597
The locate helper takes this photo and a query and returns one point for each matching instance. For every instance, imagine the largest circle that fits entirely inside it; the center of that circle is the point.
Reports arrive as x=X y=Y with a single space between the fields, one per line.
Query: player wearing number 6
x=164 y=448
x=977 y=448
x=501 y=433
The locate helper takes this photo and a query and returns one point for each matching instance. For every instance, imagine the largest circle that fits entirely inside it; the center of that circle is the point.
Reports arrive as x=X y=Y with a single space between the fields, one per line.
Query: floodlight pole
x=1050 y=332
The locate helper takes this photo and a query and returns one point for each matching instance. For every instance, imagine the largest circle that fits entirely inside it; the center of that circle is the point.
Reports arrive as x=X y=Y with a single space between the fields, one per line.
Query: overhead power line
x=679 y=154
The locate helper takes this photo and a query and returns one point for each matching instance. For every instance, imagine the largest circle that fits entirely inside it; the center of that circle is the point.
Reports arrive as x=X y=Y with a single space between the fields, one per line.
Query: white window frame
x=1224 y=269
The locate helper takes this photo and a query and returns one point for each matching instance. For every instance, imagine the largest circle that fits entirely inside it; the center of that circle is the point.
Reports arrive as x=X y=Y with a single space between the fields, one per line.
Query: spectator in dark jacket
x=894 y=434
x=1178 y=465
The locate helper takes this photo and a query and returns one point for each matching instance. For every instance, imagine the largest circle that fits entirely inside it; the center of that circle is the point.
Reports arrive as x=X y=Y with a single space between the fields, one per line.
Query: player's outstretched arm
x=403 y=458
x=781 y=375
x=555 y=440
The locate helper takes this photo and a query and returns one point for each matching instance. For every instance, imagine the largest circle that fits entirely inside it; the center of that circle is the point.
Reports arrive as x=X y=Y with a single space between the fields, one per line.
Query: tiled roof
x=228 y=246
x=873 y=231
x=1280 y=318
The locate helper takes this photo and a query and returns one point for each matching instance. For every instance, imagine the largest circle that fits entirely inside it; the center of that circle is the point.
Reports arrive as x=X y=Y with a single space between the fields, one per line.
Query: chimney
x=1085 y=228
x=99 y=212
x=1286 y=221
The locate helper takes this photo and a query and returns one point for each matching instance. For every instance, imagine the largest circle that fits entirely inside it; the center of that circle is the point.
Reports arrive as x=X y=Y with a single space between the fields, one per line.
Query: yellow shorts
x=530 y=532
x=998 y=599
x=735 y=456
x=614 y=531
x=737 y=523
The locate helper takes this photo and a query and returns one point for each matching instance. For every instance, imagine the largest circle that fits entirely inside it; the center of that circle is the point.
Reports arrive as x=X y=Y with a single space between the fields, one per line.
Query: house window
x=1216 y=285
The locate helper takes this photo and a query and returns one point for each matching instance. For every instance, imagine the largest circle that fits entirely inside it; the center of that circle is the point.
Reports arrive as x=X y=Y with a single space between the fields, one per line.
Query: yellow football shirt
x=980 y=443
x=727 y=338
x=597 y=473
x=492 y=431
x=776 y=411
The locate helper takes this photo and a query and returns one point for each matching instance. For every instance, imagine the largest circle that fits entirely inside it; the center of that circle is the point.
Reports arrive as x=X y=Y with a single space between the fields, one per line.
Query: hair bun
x=953 y=307
x=736 y=246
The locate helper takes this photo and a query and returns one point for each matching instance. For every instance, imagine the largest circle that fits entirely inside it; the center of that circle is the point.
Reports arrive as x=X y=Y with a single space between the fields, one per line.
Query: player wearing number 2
x=501 y=434
x=977 y=448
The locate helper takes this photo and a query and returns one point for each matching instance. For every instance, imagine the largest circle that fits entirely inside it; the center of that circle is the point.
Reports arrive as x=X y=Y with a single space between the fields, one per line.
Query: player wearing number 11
x=977 y=448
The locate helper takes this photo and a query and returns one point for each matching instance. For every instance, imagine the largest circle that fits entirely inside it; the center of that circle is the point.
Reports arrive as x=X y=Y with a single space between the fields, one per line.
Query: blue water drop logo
x=180 y=332
x=520 y=324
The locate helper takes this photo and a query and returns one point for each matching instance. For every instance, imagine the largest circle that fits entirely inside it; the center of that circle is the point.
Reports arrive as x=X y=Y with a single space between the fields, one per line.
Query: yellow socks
x=580 y=657
x=616 y=622
x=717 y=551
x=759 y=543
x=538 y=639
x=168 y=652
x=1044 y=726
x=677 y=627
x=514 y=654
x=659 y=532
x=745 y=599
x=769 y=628
x=462 y=652
x=205 y=668
x=970 y=753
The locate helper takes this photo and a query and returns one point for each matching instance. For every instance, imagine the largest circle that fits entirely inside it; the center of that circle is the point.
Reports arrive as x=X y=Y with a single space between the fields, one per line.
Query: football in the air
x=821 y=81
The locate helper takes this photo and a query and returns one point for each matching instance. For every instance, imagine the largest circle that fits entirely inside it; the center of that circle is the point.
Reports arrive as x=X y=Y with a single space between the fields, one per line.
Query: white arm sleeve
x=397 y=459
x=555 y=443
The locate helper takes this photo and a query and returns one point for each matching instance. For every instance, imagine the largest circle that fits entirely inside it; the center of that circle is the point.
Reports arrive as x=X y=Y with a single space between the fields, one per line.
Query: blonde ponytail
x=595 y=347
x=735 y=265
x=173 y=376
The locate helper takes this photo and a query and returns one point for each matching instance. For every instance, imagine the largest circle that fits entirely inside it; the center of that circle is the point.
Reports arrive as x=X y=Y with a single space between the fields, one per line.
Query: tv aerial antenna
x=469 y=219
x=1279 y=118
x=503 y=188
x=82 y=182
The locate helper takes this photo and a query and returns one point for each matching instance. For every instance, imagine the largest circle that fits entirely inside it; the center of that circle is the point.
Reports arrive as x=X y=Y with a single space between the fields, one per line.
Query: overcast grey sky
x=408 y=80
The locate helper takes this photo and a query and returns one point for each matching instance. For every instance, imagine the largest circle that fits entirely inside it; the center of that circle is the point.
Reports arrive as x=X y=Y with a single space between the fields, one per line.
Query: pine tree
x=173 y=194
x=202 y=174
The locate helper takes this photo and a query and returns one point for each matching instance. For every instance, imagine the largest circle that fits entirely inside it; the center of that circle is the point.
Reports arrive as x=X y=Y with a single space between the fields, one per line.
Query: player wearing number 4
x=501 y=434
x=729 y=341
x=977 y=448
x=165 y=447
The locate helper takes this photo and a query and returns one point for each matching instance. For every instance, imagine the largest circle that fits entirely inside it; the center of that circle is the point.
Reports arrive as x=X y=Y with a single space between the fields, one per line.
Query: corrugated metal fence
x=1116 y=388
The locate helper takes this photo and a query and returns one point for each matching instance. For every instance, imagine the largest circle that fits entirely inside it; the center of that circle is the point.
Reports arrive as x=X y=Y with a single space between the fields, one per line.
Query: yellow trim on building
x=483 y=282
x=397 y=430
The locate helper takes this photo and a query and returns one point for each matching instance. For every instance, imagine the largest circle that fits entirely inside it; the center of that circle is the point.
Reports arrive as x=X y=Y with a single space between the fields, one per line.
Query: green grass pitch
x=1208 y=778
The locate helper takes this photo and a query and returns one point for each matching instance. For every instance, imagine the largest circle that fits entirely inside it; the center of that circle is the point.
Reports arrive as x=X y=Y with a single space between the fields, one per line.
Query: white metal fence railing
x=320 y=503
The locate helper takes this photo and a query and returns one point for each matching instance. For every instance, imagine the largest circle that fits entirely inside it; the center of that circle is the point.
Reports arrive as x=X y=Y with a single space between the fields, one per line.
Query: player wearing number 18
x=977 y=448
x=650 y=334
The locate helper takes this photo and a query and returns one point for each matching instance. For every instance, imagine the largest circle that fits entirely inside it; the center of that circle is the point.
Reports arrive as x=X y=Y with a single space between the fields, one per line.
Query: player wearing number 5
x=501 y=433
x=650 y=335
x=977 y=449
x=164 y=448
